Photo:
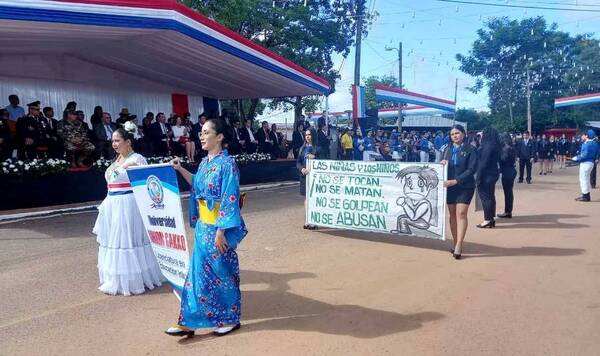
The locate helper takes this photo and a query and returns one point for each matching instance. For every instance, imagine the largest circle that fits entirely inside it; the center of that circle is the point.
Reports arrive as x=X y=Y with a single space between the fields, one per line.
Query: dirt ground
x=529 y=287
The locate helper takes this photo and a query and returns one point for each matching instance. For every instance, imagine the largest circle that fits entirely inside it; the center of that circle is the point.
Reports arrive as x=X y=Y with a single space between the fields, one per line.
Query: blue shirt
x=589 y=151
x=424 y=145
x=15 y=112
x=438 y=142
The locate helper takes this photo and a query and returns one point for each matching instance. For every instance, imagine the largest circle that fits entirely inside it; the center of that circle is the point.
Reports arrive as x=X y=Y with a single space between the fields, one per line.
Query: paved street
x=529 y=287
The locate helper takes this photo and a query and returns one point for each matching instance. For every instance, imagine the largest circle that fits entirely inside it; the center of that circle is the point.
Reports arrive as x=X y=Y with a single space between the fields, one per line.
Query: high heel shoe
x=457 y=256
x=490 y=224
x=505 y=215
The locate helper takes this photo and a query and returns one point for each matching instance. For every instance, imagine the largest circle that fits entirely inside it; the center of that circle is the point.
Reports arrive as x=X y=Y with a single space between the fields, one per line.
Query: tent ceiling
x=167 y=57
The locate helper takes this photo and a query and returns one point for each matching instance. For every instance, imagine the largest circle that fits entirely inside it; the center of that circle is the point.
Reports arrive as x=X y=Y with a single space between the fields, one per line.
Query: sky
x=432 y=33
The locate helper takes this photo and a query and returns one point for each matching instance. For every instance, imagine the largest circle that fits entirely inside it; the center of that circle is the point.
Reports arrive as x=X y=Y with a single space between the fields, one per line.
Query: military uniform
x=28 y=132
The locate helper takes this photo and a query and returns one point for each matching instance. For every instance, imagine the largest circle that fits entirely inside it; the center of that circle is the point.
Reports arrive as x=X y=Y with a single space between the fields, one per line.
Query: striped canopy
x=160 y=42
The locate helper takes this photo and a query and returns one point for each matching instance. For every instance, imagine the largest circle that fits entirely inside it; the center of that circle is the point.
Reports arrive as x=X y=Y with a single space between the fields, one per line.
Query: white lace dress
x=126 y=262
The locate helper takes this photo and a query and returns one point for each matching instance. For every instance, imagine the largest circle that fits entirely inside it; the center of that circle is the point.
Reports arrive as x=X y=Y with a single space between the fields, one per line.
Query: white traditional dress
x=126 y=262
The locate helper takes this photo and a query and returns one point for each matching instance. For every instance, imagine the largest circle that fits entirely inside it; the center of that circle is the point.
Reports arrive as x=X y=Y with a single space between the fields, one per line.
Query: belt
x=208 y=216
x=120 y=192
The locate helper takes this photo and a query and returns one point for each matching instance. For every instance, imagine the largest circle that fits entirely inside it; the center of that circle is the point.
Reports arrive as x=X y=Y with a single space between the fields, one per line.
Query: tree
x=370 y=82
x=513 y=59
x=307 y=33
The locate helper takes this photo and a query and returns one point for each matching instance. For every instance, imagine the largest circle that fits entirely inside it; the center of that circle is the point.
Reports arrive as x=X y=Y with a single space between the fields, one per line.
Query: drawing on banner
x=396 y=198
x=419 y=201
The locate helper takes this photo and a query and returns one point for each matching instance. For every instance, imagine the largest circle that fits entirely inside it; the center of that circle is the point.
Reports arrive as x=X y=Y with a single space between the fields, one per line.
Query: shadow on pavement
x=542 y=221
x=277 y=308
x=470 y=249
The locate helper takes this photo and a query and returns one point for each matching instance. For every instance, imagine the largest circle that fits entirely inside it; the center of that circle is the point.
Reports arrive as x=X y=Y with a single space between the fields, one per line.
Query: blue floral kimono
x=211 y=294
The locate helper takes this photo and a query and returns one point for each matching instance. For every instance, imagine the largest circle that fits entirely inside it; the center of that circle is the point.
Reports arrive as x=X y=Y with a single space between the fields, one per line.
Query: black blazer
x=464 y=170
x=323 y=143
x=156 y=131
x=487 y=166
x=297 y=140
x=300 y=161
x=507 y=157
x=100 y=131
x=525 y=151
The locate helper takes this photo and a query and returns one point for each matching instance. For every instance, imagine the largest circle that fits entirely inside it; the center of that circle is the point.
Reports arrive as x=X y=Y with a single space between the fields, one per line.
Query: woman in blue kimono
x=211 y=295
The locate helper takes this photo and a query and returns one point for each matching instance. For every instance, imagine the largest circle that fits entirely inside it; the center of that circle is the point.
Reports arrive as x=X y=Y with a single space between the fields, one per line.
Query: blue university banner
x=157 y=195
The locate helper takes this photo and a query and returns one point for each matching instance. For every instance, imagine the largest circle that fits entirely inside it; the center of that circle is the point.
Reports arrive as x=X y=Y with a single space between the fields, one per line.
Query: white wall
x=38 y=77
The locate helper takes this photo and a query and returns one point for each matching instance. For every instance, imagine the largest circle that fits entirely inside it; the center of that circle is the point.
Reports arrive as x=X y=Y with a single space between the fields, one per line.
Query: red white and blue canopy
x=387 y=93
x=160 y=41
x=577 y=100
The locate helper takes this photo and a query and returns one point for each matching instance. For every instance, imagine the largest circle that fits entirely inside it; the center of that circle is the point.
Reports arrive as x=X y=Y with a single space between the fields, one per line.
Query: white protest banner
x=157 y=195
x=390 y=197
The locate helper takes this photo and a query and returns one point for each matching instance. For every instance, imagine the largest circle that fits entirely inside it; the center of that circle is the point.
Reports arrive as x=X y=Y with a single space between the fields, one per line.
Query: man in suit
x=103 y=132
x=277 y=139
x=526 y=150
x=247 y=138
x=161 y=135
x=323 y=142
x=48 y=136
x=263 y=135
x=235 y=145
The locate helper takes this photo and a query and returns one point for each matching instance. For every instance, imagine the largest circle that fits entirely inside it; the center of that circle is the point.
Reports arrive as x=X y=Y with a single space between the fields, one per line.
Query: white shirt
x=178 y=132
x=163 y=128
x=250 y=134
x=109 y=132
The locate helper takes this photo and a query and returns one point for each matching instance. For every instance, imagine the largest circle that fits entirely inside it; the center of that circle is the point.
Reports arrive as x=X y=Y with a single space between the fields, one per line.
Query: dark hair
x=298 y=125
x=505 y=139
x=125 y=135
x=46 y=109
x=526 y=132
x=12 y=96
x=98 y=110
x=459 y=128
x=490 y=137
x=427 y=174
x=221 y=127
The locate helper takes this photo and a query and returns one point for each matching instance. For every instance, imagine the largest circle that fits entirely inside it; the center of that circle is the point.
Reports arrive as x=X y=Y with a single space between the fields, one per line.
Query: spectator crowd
x=36 y=132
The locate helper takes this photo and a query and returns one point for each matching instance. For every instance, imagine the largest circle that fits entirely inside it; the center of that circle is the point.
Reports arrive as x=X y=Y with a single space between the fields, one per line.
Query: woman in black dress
x=488 y=174
x=306 y=152
x=542 y=153
x=508 y=156
x=552 y=150
x=562 y=150
x=461 y=159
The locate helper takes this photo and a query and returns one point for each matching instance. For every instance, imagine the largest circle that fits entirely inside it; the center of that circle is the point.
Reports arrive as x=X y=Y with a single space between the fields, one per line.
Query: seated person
x=74 y=134
x=5 y=137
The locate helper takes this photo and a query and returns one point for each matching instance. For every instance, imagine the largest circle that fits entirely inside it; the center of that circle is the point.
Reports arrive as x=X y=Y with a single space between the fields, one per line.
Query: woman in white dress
x=126 y=262
x=181 y=136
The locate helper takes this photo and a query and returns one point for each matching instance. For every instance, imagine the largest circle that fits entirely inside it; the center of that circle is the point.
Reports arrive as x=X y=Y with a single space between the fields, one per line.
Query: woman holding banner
x=306 y=152
x=211 y=295
x=126 y=262
x=461 y=159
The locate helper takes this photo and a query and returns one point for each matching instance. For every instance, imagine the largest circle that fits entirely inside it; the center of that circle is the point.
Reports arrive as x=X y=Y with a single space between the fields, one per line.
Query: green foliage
x=386 y=79
x=510 y=55
x=307 y=35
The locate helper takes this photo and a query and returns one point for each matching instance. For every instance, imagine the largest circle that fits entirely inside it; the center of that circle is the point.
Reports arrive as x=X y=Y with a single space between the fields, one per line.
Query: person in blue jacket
x=586 y=159
x=438 y=143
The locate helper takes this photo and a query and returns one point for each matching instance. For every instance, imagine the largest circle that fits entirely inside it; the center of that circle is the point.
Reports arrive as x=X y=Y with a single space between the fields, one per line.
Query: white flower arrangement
x=130 y=127
x=245 y=158
x=35 y=167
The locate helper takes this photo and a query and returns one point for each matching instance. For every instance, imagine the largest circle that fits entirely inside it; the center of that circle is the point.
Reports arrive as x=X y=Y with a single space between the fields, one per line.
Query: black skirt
x=302 y=185
x=459 y=195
